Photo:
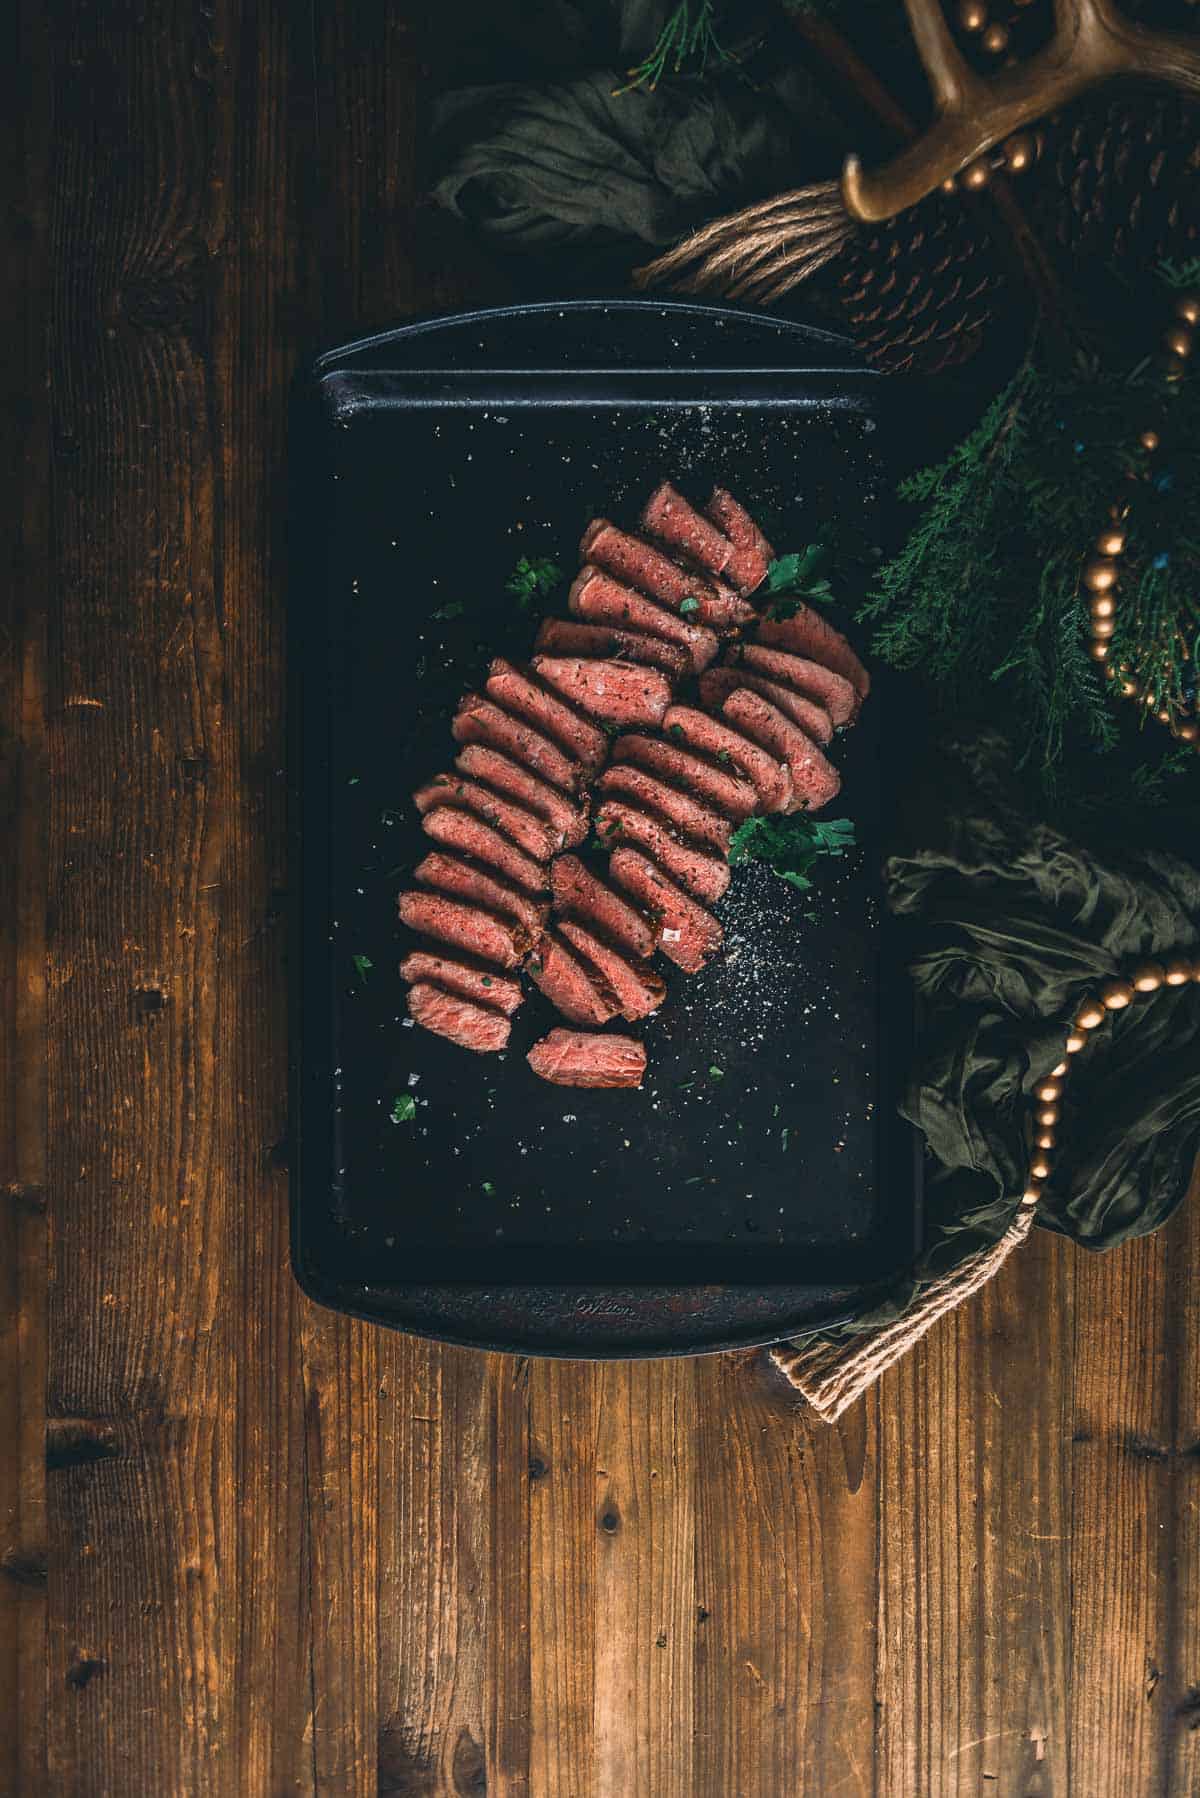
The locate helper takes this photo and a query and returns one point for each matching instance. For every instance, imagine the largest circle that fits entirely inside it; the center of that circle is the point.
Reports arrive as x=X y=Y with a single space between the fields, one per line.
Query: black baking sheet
x=763 y=1155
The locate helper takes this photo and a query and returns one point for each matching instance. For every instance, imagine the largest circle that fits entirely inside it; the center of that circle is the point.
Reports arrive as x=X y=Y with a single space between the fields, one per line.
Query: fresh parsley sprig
x=791 y=846
x=534 y=577
x=795 y=580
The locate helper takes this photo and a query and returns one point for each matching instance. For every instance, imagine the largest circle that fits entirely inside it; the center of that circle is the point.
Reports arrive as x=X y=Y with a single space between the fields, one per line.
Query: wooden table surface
x=251 y=1548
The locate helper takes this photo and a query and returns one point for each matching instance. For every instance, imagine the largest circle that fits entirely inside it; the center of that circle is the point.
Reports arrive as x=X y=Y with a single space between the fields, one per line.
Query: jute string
x=760 y=253
x=830 y=1376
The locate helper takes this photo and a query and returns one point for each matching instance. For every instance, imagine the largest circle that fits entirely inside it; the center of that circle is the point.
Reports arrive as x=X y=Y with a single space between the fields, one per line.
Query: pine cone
x=1120 y=180
x=919 y=291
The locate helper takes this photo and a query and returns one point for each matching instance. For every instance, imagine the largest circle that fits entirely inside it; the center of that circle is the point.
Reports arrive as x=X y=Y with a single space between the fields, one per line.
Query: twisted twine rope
x=760 y=253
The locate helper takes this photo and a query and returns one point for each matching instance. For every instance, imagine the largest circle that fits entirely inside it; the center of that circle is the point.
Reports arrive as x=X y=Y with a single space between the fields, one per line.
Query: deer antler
x=1092 y=42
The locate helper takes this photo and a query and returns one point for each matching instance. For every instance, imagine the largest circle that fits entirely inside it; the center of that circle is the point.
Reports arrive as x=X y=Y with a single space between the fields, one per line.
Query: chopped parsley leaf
x=487 y=980
x=688 y=606
x=676 y=730
x=534 y=577
x=363 y=965
x=488 y=1186
x=404 y=1109
x=453 y=608
x=790 y=846
x=715 y=1073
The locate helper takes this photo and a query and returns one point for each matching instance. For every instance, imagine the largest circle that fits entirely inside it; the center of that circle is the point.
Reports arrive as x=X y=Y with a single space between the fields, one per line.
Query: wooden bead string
x=1102 y=572
x=1144 y=980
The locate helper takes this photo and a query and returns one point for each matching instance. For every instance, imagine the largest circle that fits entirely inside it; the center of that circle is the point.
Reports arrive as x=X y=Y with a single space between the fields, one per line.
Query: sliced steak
x=640 y=565
x=600 y=599
x=528 y=699
x=529 y=832
x=447 y=1014
x=578 y=893
x=669 y=517
x=752 y=554
x=687 y=934
x=809 y=633
x=571 y=637
x=800 y=673
x=614 y=692
x=716 y=684
x=701 y=873
x=814 y=780
x=492 y=939
x=722 y=788
x=469 y=835
x=566 y=981
x=769 y=778
x=638 y=989
x=577 y=1058
x=566 y=818
x=688 y=815
x=479 y=721
x=463 y=880
x=469 y=979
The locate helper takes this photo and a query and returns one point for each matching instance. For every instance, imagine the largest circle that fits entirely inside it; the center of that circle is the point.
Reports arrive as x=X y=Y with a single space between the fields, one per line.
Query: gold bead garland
x=1102 y=572
x=1145 y=979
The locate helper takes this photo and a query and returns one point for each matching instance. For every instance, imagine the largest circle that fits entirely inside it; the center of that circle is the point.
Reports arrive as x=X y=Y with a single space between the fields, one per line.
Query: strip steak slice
x=515 y=692
x=770 y=779
x=808 y=633
x=752 y=554
x=668 y=516
x=639 y=564
x=602 y=600
x=567 y=819
x=527 y=831
x=471 y=836
x=688 y=815
x=579 y=893
x=578 y=1058
x=478 y=720
x=838 y=695
x=716 y=684
x=704 y=875
x=722 y=788
x=462 y=880
x=815 y=781
x=611 y=691
x=688 y=935
x=469 y=979
x=447 y=1014
x=582 y=997
x=571 y=637
x=637 y=987
x=492 y=939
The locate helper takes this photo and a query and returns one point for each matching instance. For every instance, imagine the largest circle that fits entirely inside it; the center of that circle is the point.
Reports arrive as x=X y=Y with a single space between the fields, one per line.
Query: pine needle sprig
x=986 y=597
x=687 y=43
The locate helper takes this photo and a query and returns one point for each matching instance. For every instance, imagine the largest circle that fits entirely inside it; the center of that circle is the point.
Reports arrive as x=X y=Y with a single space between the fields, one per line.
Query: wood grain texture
x=248 y=1548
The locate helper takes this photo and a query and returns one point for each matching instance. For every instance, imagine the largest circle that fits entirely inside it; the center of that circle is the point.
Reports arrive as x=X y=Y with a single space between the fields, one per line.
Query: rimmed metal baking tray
x=762 y=1180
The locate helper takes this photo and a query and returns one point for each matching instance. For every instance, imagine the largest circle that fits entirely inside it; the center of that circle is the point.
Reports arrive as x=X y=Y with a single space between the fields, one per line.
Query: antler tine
x=952 y=81
x=1092 y=42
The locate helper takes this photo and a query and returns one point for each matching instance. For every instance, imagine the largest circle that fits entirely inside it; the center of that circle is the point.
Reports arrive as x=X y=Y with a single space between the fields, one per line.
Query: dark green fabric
x=1010 y=924
x=567 y=163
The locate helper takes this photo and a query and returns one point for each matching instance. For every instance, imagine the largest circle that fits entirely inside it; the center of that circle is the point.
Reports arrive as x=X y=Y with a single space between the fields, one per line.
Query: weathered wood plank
x=1181 y=1699
x=973 y=1585
x=177 y=1660
x=759 y=1578
x=453 y=1589
x=24 y=530
x=645 y=1617
x=564 y=1415
x=1120 y=1519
